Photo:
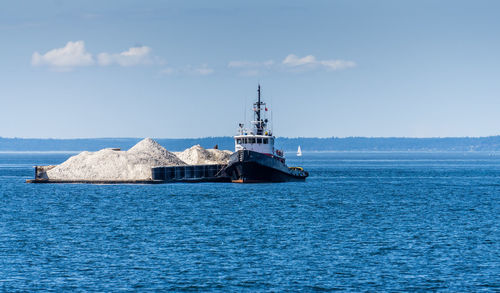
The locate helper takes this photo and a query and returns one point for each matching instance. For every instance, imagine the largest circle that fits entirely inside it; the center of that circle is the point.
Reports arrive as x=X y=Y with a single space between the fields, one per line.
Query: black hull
x=252 y=167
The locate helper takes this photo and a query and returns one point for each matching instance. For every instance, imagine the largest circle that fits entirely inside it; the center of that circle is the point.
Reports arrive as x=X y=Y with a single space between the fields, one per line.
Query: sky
x=173 y=69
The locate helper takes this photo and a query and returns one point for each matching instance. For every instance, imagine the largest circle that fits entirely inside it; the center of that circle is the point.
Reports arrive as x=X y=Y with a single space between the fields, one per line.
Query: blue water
x=361 y=222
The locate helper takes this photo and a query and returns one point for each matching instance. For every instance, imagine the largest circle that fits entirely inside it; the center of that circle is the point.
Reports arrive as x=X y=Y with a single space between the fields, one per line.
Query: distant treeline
x=93 y=144
x=491 y=143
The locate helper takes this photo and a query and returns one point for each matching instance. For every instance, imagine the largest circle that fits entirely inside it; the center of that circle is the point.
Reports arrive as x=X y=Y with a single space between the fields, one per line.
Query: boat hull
x=253 y=167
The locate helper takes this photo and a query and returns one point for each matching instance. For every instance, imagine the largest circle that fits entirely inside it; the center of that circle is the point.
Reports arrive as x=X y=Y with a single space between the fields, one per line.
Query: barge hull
x=190 y=173
x=93 y=181
x=172 y=174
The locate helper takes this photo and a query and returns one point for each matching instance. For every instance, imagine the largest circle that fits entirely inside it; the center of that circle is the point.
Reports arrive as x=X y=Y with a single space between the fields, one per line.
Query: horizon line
x=224 y=136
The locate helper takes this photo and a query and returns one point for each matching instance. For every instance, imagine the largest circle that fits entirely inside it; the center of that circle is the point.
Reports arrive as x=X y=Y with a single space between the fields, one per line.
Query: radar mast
x=260 y=124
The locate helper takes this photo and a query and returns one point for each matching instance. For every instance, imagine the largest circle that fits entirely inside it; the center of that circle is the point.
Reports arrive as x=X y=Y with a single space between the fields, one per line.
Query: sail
x=299 y=152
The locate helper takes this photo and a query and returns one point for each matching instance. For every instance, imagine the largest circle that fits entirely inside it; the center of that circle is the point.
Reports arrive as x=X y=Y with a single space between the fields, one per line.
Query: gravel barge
x=145 y=163
x=170 y=174
x=255 y=160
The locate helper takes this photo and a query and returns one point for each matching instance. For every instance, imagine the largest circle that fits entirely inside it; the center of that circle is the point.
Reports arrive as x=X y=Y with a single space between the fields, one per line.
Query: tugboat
x=255 y=159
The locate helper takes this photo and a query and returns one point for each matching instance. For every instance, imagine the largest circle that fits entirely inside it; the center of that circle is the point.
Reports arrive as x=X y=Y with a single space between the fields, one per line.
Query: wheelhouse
x=257 y=143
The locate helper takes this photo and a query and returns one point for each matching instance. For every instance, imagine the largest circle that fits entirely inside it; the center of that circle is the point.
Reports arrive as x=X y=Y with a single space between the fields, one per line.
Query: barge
x=170 y=174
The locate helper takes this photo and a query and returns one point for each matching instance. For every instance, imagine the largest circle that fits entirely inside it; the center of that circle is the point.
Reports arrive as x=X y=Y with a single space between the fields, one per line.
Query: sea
x=362 y=221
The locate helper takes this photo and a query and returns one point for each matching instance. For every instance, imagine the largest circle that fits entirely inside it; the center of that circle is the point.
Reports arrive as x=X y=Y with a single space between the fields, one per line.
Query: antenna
x=245 y=111
x=258 y=105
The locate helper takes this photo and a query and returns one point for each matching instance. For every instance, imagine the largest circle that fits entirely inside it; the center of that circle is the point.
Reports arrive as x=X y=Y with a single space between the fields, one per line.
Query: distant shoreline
x=287 y=153
x=332 y=144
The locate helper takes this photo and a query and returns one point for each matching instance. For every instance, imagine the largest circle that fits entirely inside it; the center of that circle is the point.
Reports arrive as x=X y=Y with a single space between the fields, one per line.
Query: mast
x=259 y=124
x=258 y=103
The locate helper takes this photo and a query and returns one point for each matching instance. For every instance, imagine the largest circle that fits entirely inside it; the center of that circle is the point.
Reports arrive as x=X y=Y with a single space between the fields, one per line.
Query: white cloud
x=131 y=57
x=291 y=63
x=74 y=55
x=337 y=64
x=294 y=61
x=310 y=62
x=65 y=58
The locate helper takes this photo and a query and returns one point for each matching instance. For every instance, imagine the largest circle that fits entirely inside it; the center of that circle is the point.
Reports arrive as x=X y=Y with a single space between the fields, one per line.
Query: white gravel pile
x=108 y=164
x=196 y=155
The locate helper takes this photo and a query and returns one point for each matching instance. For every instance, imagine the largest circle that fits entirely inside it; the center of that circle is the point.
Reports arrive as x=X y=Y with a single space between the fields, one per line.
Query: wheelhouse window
x=266 y=141
x=238 y=140
x=251 y=140
x=259 y=140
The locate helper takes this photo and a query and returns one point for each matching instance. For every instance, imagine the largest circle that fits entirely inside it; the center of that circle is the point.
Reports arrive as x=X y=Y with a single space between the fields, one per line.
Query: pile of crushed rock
x=134 y=164
x=196 y=155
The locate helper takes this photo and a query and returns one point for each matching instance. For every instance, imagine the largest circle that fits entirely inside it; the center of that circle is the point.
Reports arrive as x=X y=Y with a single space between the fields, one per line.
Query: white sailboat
x=299 y=152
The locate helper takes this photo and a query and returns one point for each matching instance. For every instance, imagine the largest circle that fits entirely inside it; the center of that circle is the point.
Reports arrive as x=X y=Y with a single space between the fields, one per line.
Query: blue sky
x=188 y=68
